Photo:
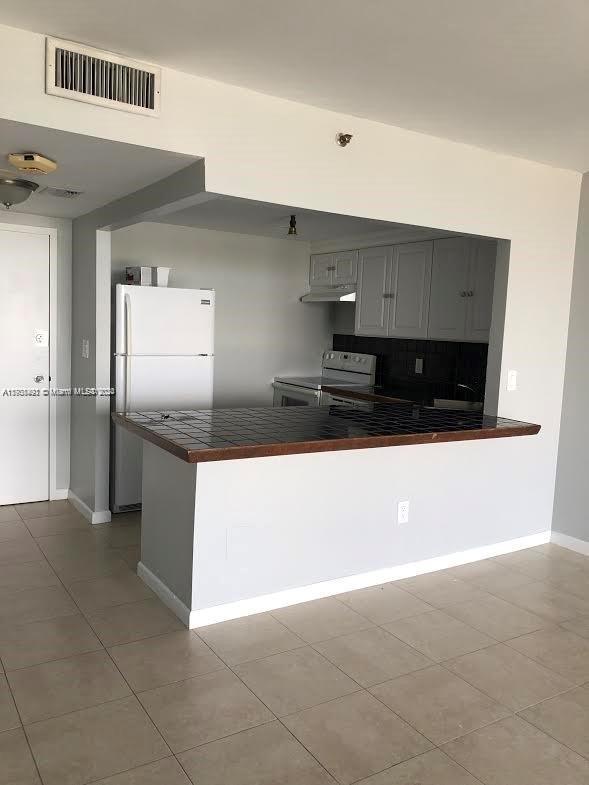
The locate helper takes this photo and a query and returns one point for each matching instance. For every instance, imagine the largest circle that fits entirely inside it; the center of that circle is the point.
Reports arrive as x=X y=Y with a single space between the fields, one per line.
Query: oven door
x=290 y=395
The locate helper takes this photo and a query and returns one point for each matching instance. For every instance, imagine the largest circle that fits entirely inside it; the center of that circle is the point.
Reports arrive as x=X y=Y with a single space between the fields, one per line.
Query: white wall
x=571 y=503
x=261 y=328
x=273 y=150
x=61 y=325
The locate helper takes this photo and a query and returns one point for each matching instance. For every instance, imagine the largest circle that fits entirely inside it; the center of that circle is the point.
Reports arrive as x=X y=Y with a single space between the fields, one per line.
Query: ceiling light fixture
x=292 y=226
x=15 y=191
x=343 y=139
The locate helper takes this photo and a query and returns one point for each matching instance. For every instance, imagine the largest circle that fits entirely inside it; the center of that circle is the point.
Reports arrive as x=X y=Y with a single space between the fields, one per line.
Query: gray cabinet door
x=320 y=273
x=480 y=291
x=410 y=290
x=345 y=268
x=449 y=289
x=372 y=299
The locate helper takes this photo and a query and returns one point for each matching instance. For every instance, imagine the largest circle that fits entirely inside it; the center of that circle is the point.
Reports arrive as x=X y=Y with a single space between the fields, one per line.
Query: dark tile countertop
x=227 y=434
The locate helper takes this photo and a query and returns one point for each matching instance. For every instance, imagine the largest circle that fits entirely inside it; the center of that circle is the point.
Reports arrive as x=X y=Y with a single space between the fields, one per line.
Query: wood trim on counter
x=324 y=445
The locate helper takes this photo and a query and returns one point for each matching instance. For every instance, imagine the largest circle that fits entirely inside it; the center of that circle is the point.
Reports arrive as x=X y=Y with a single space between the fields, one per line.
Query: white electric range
x=338 y=369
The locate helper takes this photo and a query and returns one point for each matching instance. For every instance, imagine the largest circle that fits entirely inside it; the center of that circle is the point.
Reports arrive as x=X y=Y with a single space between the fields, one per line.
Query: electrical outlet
x=85 y=348
x=511 y=381
x=403 y=512
x=419 y=365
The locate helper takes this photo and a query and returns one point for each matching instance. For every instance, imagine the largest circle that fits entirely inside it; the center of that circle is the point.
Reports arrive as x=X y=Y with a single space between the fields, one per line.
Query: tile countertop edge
x=326 y=445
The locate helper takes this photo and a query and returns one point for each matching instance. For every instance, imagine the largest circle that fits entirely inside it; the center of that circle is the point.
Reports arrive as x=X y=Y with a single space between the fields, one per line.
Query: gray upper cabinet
x=372 y=298
x=393 y=290
x=410 y=290
x=334 y=269
x=447 y=309
x=461 y=300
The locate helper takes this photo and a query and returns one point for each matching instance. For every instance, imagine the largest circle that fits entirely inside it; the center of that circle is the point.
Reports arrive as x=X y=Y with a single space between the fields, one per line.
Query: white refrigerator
x=163 y=360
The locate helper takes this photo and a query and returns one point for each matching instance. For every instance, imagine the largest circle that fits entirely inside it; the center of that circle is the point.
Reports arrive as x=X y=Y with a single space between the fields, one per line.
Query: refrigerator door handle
x=127 y=324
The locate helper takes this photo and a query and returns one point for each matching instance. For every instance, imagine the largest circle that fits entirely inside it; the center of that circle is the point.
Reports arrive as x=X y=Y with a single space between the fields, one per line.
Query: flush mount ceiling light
x=292 y=226
x=15 y=191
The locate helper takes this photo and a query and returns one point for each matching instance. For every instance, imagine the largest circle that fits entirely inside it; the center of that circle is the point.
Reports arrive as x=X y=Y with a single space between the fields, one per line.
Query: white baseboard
x=166 y=595
x=58 y=494
x=316 y=591
x=572 y=543
x=102 y=516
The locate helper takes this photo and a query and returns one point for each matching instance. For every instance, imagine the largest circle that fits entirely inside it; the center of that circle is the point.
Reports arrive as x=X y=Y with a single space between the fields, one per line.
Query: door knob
x=39 y=379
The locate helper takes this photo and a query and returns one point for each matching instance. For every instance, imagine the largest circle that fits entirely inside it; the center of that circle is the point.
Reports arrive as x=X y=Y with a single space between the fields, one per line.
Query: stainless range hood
x=331 y=294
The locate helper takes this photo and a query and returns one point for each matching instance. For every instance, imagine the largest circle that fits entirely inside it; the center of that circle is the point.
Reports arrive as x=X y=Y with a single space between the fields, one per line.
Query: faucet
x=473 y=390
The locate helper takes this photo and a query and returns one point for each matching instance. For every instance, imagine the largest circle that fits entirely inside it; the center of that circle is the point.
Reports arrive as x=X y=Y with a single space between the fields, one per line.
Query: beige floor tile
x=132 y=621
x=372 y=656
x=565 y=718
x=440 y=590
x=321 y=619
x=512 y=752
x=497 y=618
x=438 y=635
x=8 y=714
x=131 y=554
x=123 y=536
x=13 y=530
x=250 y=638
x=23 y=645
x=384 y=603
x=18 y=766
x=29 y=575
x=541 y=566
x=552 y=549
x=294 y=680
x=439 y=704
x=95 y=743
x=164 y=659
x=56 y=524
x=116 y=589
x=27 y=605
x=164 y=772
x=356 y=736
x=44 y=509
x=488 y=574
x=508 y=676
x=72 y=542
x=431 y=768
x=580 y=626
x=266 y=755
x=577 y=585
x=203 y=709
x=8 y=513
x=559 y=650
x=24 y=549
x=94 y=563
x=546 y=600
x=61 y=686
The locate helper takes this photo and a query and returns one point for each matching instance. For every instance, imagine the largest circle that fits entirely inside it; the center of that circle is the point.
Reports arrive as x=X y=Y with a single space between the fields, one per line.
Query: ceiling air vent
x=97 y=77
x=61 y=193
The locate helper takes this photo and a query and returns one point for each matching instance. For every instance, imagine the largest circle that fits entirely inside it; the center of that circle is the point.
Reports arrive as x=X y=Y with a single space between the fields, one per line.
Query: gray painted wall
x=571 y=500
x=261 y=328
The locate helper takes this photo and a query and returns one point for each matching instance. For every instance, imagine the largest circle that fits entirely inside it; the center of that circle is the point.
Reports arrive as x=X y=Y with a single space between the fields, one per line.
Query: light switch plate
x=85 y=348
x=511 y=381
x=419 y=365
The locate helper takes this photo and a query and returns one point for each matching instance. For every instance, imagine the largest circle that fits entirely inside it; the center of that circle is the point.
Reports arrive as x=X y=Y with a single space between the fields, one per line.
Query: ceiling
x=263 y=219
x=509 y=75
x=102 y=170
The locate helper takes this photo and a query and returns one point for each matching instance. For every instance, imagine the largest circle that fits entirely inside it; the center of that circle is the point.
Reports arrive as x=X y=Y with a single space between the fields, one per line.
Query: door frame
x=54 y=302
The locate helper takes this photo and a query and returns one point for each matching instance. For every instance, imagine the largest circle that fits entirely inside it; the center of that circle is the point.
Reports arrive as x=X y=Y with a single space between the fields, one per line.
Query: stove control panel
x=349 y=361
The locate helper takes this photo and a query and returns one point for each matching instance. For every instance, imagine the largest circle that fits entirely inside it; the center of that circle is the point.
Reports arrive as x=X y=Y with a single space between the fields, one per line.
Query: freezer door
x=153 y=383
x=159 y=321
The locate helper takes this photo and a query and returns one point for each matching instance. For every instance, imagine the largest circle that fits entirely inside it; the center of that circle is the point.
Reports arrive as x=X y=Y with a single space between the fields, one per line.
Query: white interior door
x=24 y=366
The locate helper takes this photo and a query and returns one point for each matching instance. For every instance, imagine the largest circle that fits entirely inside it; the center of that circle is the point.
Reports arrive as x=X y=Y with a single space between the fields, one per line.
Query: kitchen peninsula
x=246 y=510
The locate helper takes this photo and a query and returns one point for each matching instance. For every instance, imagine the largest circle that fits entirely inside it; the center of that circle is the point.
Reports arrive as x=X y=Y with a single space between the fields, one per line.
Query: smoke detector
x=32 y=163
